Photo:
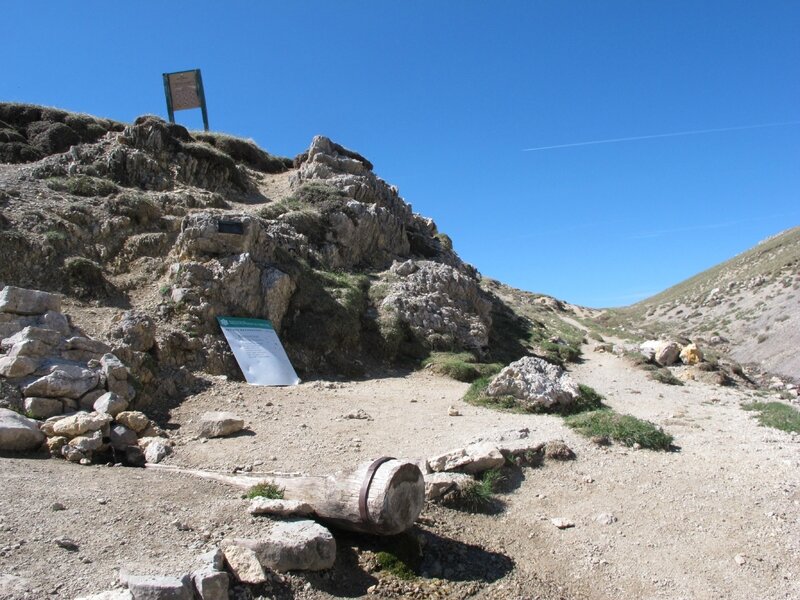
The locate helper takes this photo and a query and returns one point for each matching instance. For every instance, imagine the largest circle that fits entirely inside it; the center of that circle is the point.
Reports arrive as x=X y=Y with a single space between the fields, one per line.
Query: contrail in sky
x=661 y=135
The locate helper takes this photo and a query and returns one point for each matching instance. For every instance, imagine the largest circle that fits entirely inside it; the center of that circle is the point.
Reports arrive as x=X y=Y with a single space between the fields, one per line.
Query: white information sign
x=258 y=351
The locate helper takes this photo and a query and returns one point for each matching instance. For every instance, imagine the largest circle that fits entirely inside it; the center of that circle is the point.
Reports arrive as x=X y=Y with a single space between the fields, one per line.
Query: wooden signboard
x=184 y=90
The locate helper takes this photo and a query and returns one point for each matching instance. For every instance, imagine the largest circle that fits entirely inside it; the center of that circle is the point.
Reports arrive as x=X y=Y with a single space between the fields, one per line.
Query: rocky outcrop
x=535 y=383
x=441 y=305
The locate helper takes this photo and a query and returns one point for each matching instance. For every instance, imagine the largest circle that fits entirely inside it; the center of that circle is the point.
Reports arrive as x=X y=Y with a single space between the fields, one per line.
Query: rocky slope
x=747 y=307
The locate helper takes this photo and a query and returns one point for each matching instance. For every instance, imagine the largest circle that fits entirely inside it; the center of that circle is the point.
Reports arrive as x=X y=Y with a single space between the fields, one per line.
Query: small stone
x=600 y=440
x=562 y=523
x=160 y=588
x=211 y=584
x=452 y=411
x=219 y=424
x=558 y=450
x=157 y=451
x=740 y=559
x=56 y=506
x=66 y=544
x=605 y=519
x=280 y=508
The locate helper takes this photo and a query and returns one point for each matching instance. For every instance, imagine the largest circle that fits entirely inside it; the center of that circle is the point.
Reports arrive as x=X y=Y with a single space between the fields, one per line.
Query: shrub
x=776 y=414
x=265 y=490
x=664 y=375
x=459 y=366
x=83 y=185
x=626 y=429
x=478 y=496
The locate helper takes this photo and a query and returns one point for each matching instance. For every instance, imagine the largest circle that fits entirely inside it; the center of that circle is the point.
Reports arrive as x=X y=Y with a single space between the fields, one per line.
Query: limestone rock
x=473 y=459
x=691 y=354
x=279 y=508
x=17 y=366
x=219 y=424
x=294 y=545
x=133 y=419
x=536 y=383
x=439 y=484
x=87 y=444
x=135 y=329
x=440 y=305
x=211 y=584
x=664 y=353
x=156 y=451
x=43 y=408
x=122 y=437
x=28 y=302
x=80 y=423
x=113 y=367
x=159 y=588
x=64 y=381
x=244 y=564
x=18 y=433
x=110 y=404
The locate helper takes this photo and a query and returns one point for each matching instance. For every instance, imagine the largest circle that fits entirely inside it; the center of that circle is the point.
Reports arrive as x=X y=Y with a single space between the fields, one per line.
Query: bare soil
x=719 y=517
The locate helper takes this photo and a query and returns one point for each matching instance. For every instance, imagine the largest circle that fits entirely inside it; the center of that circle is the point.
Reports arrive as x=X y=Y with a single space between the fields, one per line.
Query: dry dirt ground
x=717 y=518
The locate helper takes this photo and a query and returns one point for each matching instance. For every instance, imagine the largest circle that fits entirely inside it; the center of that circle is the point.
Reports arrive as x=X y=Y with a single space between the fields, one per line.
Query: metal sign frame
x=200 y=95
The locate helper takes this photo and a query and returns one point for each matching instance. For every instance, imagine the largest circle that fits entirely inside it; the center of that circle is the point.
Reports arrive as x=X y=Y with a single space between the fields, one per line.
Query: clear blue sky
x=444 y=97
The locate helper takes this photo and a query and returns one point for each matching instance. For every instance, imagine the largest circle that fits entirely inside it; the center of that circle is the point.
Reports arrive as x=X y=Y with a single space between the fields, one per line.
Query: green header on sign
x=244 y=323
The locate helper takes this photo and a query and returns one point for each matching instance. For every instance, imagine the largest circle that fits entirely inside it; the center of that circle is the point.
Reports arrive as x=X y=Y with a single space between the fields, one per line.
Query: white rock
x=244 y=564
x=17 y=366
x=605 y=519
x=536 y=383
x=80 y=423
x=562 y=523
x=439 y=484
x=160 y=588
x=280 y=508
x=17 y=432
x=156 y=451
x=28 y=302
x=210 y=584
x=87 y=444
x=64 y=381
x=43 y=408
x=110 y=403
x=294 y=545
x=219 y=424
x=473 y=459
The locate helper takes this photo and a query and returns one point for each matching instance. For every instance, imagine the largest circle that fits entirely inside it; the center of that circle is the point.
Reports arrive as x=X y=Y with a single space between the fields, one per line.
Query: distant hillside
x=748 y=306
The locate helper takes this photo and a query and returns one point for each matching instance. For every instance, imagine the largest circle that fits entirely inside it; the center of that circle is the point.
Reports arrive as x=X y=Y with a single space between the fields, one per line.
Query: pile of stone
x=457 y=469
x=74 y=391
x=666 y=353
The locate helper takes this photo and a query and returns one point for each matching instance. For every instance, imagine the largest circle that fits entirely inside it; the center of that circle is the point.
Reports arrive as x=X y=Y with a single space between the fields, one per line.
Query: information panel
x=258 y=351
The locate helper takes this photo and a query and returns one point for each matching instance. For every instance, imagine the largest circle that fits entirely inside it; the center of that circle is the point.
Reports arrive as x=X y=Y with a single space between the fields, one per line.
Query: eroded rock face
x=536 y=383
x=440 y=305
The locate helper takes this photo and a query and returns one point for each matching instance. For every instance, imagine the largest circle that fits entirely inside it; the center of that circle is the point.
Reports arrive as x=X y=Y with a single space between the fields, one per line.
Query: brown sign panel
x=183 y=89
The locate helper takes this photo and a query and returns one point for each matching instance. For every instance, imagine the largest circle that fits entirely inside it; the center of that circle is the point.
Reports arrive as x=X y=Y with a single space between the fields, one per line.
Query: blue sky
x=445 y=97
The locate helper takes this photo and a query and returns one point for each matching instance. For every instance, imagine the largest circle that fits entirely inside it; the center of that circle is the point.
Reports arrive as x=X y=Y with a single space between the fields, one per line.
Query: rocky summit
x=542 y=444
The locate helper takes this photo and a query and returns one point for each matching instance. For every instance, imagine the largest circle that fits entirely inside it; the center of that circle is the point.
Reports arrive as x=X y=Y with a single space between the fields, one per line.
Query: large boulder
x=691 y=354
x=662 y=352
x=18 y=433
x=63 y=381
x=28 y=302
x=535 y=383
x=80 y=423
x=294 y=545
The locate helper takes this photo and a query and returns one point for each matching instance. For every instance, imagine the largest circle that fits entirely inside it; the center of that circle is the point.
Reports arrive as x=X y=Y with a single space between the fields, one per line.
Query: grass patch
x=83 y=185
x=265 y=490
x=477 y=397
x=623 y=428
x=460 y=366
x=776 y=414
x=664 y=375
x=401 y=555
x=588 y=399
x=478 y=497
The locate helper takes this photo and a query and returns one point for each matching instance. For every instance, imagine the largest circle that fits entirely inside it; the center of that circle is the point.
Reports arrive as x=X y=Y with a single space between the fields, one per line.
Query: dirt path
x=681 y=518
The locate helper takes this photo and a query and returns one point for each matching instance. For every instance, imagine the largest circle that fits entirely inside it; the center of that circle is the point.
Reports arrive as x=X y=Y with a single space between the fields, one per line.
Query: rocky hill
x=747 y=307
x=151 y=224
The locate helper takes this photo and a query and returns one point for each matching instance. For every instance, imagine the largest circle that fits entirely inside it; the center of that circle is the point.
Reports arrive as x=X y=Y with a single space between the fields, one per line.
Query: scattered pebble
x=740 y=559
x=452 y=411
x=66 y=544
x=57 y=506
x=562 y=523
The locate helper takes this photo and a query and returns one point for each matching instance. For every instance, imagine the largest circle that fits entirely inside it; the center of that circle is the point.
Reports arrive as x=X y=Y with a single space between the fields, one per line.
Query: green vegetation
x=588 y=399
x=246 y=151
x=82 y=185
x=776 y=414
x=459 y=366
x=665 y=376
x=479 y=495
x=401 y=555
x=265 y=490
x=623 y=428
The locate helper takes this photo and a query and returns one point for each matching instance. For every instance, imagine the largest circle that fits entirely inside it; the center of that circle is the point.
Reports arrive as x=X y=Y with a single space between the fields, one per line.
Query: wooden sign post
x=184 y=90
